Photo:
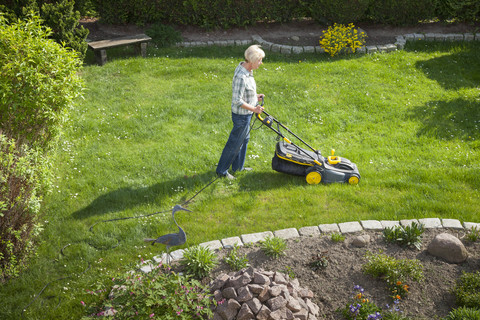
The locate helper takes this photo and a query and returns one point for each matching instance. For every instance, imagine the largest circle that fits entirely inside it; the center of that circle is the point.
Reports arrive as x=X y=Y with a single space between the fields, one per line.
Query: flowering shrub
x=395 y=271
x=340 y=38
x=360 y=307
x=160 y=294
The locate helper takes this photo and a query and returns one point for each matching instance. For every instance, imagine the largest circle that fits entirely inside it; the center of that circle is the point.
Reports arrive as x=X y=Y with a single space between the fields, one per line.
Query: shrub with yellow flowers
x=341 y=38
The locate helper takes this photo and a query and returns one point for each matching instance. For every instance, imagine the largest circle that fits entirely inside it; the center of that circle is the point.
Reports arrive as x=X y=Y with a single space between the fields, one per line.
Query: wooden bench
x=100 y=47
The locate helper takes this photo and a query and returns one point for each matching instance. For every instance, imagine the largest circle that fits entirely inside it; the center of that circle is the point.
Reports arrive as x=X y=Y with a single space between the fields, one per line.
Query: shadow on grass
x=447 y=120
x=129 y=197
x=460 y=69
x=212 y=52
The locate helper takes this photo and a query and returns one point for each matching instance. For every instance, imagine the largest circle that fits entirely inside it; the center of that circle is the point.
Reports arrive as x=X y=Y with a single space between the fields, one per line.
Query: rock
x=239 y=281
x=244 y=294
x=361 y=241
x=279 y=278
x=260 y=278
x=276 y=303
x=264 y=313
x=245 y=313
x=229 y=293
x=294 y=305
x=295 y=38
x=255 y=305
x=281 y=314
x=448 y=247
x=229 y=310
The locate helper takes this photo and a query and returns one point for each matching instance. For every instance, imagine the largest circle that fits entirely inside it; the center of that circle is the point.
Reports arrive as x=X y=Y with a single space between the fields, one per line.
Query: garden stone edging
x=343 y=227
x=399 y=44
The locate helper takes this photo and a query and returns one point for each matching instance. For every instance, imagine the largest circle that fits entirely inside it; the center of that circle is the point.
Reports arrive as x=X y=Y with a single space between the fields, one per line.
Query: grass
x=149 y=132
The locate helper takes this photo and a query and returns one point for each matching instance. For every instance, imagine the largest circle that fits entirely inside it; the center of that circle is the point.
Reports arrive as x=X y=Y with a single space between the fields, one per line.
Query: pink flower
x=83 y=303
x=151 y=316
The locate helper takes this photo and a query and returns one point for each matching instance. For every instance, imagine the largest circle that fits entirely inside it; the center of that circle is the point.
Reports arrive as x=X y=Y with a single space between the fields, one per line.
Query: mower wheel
x=353 y=180
x=314 y=177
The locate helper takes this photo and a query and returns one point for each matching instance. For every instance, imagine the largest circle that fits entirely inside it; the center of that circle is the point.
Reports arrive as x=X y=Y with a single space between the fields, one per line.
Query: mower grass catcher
x=291 y=159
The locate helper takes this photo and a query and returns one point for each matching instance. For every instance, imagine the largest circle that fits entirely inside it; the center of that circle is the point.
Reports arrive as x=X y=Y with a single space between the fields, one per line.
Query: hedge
x=39 y=82
x=240 y=13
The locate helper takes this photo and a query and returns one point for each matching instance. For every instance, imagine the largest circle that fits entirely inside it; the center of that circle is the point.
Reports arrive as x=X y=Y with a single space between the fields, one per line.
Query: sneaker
x=227 y=175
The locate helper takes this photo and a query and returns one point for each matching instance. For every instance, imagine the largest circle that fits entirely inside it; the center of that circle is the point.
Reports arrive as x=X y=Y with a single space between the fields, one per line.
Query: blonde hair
x=254 y=53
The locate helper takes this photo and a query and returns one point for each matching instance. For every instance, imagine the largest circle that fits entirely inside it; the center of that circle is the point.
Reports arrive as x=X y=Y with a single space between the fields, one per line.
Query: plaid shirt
x=244 y=90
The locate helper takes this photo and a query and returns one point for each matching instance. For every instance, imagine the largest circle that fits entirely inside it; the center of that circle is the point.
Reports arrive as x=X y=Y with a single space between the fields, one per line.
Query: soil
x=307 y=31
x=428 y=299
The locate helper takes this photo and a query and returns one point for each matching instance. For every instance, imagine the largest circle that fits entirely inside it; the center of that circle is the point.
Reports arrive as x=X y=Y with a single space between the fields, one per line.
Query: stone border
x=399 y=44
x=322 y=229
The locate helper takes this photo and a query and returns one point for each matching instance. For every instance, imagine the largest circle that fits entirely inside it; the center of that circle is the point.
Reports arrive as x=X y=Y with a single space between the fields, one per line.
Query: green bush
x=460 y=10
x=63 y=21
x=208 y=14
x=163 y=35
x=401 y=12
x=467 y=290
x=336 y=11
x=159 y=294
x=58 y=15
x=23 y=175
x=410 y=235
x=464 y=313
x=198 y=261
x=38 y=81
x=235 y=261
x=274 y=246
x=396 y=272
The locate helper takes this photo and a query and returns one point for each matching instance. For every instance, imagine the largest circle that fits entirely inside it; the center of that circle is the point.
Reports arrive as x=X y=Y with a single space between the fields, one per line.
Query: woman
x=244 y=104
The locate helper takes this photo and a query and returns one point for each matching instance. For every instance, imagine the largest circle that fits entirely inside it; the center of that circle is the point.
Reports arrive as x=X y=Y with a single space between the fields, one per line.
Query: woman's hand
x=258 y=109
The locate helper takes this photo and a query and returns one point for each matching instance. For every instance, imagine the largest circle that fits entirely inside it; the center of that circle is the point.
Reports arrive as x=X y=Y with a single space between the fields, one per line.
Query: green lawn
x=150 y=131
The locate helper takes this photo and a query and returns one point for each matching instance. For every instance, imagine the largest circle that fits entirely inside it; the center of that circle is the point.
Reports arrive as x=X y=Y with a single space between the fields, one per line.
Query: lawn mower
x=291 y=159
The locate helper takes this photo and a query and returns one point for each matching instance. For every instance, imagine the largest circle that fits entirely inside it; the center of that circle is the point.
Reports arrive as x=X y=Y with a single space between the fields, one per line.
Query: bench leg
x=101 y=56
x=141 y=48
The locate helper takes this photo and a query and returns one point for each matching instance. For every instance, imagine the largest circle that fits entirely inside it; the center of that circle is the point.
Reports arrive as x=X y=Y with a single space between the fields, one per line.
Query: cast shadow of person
x=160 y=193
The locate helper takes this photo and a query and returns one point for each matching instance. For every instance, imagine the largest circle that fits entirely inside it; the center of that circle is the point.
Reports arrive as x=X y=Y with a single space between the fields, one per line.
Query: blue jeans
x=235 y=150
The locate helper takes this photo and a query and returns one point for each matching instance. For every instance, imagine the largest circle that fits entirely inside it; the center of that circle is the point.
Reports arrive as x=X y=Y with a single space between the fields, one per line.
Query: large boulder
x=448 y=247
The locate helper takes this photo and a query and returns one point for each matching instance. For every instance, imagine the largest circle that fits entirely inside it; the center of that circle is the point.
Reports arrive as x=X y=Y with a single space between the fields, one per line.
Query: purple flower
x=358 y=288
